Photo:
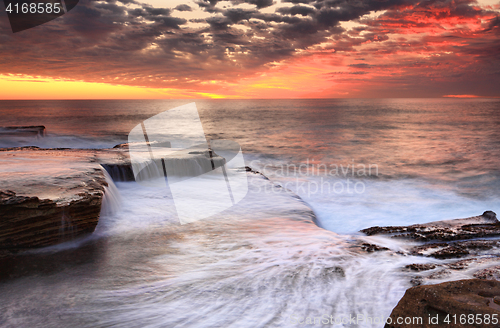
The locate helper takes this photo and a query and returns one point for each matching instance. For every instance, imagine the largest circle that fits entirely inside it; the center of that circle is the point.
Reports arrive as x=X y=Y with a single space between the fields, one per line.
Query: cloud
x=126 y=42
x=183 y=7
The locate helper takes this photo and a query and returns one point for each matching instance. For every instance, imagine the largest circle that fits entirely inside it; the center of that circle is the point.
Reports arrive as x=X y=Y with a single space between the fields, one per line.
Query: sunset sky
x=256 y=49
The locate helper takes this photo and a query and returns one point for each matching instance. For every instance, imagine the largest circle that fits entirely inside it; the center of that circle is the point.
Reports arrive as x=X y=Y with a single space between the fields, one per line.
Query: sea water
x=287 y=252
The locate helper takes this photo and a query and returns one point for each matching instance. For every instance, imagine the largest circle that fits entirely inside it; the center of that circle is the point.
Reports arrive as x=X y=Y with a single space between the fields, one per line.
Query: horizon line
x=324 y=98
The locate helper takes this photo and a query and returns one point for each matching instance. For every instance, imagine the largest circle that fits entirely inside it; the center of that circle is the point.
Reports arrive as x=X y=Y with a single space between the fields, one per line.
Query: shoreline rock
x=441 y=301
x=32 y=222
x=471 y=241
x=49 y=196
x=485 y=225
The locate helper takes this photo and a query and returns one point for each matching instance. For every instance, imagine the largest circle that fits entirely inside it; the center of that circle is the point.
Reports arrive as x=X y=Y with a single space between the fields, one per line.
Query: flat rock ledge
x=472 y=299
x=49 y=196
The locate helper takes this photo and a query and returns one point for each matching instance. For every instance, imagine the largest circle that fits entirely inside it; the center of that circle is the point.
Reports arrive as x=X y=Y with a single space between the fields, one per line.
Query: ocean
x=286 y=252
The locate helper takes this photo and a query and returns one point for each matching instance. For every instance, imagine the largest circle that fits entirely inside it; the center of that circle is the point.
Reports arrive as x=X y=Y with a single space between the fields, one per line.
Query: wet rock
x=335 y=271
x=444 y=300
x=180 y=162
x=461 y=265
x=416 y=281
x=373 y=248
x=420 y=267
x=457 y=249
x=485 y=225
x=32 y=222
x=439 y=274
x=48 y=196
x=489 y=273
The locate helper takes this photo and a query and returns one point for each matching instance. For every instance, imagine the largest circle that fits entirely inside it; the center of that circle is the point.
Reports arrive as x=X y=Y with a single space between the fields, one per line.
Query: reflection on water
x=262 y=263
x=448 y=140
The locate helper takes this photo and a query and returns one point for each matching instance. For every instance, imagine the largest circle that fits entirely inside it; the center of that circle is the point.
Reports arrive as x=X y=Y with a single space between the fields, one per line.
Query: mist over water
x=265 y=261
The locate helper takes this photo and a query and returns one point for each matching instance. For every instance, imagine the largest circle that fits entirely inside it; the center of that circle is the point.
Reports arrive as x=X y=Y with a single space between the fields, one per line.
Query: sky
x=120 y=49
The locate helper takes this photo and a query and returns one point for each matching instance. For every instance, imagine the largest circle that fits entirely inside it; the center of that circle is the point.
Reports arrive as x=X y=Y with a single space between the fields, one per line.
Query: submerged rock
x=373 y=248
x=445 y=304
x=492 y=273
x=420 y=267
x=456 y=249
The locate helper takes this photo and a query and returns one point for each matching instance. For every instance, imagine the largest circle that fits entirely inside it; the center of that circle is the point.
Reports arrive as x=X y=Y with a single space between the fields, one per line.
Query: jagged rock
x=442 y=239
x=373 y=248
x=462 y=297
x=420 y=267
x=439 y=274
x=456 y=249
x=489 y=273
x=461 y=265
x=485 y=225
x=416 y=281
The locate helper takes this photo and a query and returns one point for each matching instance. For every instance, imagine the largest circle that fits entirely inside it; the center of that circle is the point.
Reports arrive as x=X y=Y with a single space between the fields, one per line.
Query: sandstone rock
x=48 y=196
x=463 y=297
x=183 y=162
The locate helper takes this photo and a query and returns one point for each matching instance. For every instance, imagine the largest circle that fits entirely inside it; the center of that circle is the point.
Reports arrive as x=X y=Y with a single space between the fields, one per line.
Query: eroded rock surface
x=48 y=196
x=442 y=301
x=469 y=245
x=485 y=225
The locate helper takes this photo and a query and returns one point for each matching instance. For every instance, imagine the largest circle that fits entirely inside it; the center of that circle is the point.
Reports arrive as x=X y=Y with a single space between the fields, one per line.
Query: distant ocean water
x=355 y=163
x=429 y=158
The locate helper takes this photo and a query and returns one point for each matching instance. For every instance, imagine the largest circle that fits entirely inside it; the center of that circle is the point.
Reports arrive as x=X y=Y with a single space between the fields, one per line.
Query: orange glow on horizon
x=461 y=96
x=425 y=49
x=14 y=87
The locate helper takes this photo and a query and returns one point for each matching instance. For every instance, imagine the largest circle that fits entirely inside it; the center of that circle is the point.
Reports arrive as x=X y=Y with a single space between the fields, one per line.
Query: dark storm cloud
x=300 y=1
x=259 y=3
x=297 y=10
x=183 y=7
x=108 y=41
